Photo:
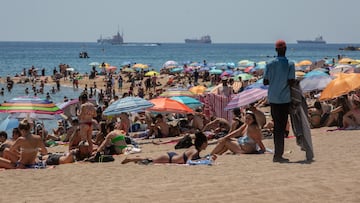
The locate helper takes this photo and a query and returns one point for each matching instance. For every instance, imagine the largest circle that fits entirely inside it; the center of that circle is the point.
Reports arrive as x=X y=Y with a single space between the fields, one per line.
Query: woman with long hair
x=248 y=139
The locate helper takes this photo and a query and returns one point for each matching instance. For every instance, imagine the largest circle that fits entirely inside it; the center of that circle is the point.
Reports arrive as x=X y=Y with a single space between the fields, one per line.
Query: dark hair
x=253 y=117
x=317 y=105
x=110 y=126
x=159 y=116
x=237 y=112
x=16 y=131
x=24 y=125
x=3 y=134
x=200 y=139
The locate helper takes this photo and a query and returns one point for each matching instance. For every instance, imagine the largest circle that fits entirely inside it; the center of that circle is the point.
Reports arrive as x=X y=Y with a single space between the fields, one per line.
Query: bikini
x=117 y=139
x=172 y=154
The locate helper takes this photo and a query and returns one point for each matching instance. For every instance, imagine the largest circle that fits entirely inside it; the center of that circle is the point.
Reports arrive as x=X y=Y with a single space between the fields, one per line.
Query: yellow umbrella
x=140 y=65
x=105 y=65
x=299 y=73
x=304 y=63
x=152 y=73
x=198 y=89
x=346 y=61
x=343 y=84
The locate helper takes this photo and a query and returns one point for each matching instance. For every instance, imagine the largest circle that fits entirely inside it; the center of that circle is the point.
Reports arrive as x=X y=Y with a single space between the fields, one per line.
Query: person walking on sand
x=86 y=115
x=279 y=75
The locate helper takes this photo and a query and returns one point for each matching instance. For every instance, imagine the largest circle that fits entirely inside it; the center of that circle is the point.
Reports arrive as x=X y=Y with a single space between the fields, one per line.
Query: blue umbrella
x=188 y=101
x=127 y=104
x=126 y=63
x=176 y=70
x=314 y=83
x=9 y=123
x=315 y=73
x=215 y=71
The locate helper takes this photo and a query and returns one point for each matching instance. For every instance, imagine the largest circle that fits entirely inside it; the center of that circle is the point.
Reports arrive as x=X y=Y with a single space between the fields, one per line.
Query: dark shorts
x=53 y=159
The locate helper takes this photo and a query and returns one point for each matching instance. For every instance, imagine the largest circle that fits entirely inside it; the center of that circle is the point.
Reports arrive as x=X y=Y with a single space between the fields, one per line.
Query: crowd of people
x=89 y=134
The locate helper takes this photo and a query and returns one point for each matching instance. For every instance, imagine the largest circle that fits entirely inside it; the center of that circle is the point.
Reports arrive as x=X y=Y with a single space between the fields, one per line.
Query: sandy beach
x=332 y=177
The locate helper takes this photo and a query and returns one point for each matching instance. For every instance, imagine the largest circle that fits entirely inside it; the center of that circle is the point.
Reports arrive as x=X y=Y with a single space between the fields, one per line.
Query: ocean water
x=15 y=56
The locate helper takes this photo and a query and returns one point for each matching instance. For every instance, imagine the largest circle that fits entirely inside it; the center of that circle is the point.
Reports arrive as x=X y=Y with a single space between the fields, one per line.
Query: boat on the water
x=115 y=40
x=318 y=40
x=203 y=40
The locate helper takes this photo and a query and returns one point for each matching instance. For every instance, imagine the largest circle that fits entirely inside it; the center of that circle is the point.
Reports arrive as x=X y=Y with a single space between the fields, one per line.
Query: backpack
x=185 y=142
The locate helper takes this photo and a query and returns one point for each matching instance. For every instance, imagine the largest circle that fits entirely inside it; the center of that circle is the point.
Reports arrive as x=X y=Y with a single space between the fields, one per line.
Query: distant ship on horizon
x=115 y=40
x=203 y=40
x=318 y=40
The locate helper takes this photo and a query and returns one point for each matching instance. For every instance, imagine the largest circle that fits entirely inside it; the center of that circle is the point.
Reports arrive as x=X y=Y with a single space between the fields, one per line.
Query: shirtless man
x=161 y=128
x=86 y=115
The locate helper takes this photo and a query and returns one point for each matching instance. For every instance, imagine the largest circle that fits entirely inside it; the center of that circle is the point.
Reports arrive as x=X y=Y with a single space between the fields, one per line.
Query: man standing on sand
x=86 y=115
x=279 y=75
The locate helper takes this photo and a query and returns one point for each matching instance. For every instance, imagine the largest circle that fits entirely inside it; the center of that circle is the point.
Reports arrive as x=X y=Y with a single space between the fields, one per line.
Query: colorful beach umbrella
x=166 y=105
x=341 y=85
x=28 y=104
x=170 y=64
x=315 y=73
x=152 y=73
x=9 y=123
x=94 y=64
x=188 y=101
x=215 y=71
x=127 y=104
x=128 y=70
x=198 y=89
x=246 y=97
x=174 y=92
x=304 y=63
x=111 y=68
x=243 y=76
x=313 y=83
x=140 y=65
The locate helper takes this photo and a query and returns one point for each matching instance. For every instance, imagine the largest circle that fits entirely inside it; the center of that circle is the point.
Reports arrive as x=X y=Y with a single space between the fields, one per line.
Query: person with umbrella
x=279 y=75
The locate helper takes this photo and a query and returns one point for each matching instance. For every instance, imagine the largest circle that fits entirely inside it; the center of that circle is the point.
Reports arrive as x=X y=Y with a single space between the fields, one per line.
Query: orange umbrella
x=343 y=84
x=198 y=89
x=304 y=63
x=166 y=105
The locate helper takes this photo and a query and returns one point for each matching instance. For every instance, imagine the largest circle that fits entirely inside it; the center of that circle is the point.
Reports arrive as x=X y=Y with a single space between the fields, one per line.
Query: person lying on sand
x=72 y=156
x=193 y=153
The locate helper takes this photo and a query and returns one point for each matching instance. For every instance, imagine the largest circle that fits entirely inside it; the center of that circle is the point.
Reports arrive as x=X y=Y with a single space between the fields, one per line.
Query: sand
x=332 y=177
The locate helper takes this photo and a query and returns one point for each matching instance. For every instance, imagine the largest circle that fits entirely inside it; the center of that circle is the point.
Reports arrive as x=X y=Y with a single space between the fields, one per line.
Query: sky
x=169 y=21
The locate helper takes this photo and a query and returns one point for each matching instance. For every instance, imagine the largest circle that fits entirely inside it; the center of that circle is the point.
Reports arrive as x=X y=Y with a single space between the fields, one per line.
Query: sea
x=15 y=56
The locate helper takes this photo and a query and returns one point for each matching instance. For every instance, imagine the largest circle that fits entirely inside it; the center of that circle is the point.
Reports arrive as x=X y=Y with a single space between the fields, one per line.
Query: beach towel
x=215 y=105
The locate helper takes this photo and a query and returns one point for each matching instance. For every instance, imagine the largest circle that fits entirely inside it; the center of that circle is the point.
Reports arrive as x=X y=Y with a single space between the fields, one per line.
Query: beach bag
x=185 y=142
x=102 y=158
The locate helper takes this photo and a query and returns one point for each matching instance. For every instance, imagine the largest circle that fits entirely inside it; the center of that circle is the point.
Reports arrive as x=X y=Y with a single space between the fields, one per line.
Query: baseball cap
x=280 y=44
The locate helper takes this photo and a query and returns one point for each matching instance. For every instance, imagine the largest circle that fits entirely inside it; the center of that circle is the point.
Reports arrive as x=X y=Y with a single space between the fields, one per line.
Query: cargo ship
x=318 y=40
x=115 y=40
x=203 y=40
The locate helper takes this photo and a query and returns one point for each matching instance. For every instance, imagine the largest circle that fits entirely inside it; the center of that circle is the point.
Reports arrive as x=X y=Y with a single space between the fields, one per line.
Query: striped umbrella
x=246 y=97
x=127 y=104
x=29 y=104
x=188 y=101
x=166 y=105
x=177 y=92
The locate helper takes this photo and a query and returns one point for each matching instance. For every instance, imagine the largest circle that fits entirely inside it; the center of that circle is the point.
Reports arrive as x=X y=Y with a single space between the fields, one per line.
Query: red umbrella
x=166 y=105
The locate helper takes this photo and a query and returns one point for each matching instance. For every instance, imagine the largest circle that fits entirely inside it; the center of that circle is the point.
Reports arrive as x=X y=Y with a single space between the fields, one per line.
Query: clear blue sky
x=226 y=21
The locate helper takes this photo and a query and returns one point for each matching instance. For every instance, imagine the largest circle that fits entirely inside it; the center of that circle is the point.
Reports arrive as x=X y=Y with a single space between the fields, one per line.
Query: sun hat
x=280 y=44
